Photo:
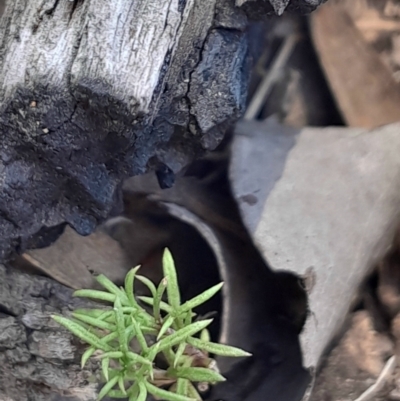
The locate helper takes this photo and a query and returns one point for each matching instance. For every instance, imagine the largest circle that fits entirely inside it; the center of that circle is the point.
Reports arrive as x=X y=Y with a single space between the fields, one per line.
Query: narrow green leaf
x=158 y=299
x=188 y=318
x=153 y=351
x=149 y=330
x=109 y=385
x=145 y=319
x=129 y=309
x=166 y=395
x=105 y=363
x=217 y=349
x=121 y=385
x=174 y=296
x=133 y=392
x=182 y=387
x=130 y=333
x=150 y=301
x=182 y=334
x=112 y=288
x=129 y=280
x=138 y=358
x=119 y=317
x=205 y=336
x=169 y=355
x=148 y=283
x=141 y=316
x=112 y=354
x=82 y=333
x=127 y=319
x=106 y=315
x=139 y=335
x=86 y=355
x=110 y=337
x=145 y=369
x=113 y=373
x=193 y=393
x=94 y=321
x=94 y=294
x=116 y=394
x=199 y=299
x=196 y=374
x=96 y=313
x=179 y=353
x=142 y=392
x=166 y=325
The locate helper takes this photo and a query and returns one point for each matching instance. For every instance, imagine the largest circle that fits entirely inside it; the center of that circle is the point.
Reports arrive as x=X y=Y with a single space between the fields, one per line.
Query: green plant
x=168 y=335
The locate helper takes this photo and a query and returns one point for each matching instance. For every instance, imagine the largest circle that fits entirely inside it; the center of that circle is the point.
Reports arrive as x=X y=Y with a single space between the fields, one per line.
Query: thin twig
x=268 y=81
x=372 y=391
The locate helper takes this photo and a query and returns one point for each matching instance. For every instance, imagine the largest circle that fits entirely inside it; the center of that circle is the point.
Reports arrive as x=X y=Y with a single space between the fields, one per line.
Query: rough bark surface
x=94 y=91
x=261 y=8
x=40 y=360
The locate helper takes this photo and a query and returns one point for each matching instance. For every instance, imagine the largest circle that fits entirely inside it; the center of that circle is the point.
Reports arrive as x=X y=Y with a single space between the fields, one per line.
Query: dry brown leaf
x=363 y=86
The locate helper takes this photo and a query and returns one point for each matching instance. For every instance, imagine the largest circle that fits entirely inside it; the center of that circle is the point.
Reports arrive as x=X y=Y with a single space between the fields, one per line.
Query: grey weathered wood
x=94 y=91
x=86 y=45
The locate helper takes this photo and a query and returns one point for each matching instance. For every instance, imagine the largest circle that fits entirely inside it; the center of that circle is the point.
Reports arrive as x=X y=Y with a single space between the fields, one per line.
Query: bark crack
x=6 y=311
x=192 y=115
x=75 y=5
x=50 y=11
x=7 y=218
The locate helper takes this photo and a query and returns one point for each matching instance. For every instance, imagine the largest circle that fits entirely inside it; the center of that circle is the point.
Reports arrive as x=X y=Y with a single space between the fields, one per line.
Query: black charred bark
x=94 y=92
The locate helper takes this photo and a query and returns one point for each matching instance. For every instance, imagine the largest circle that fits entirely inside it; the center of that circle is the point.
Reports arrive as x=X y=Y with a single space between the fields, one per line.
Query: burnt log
x=92 y=92
x=259 y=9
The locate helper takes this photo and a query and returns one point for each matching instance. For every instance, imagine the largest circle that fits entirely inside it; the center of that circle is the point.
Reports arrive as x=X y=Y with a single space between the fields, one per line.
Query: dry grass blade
x=387 y=371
